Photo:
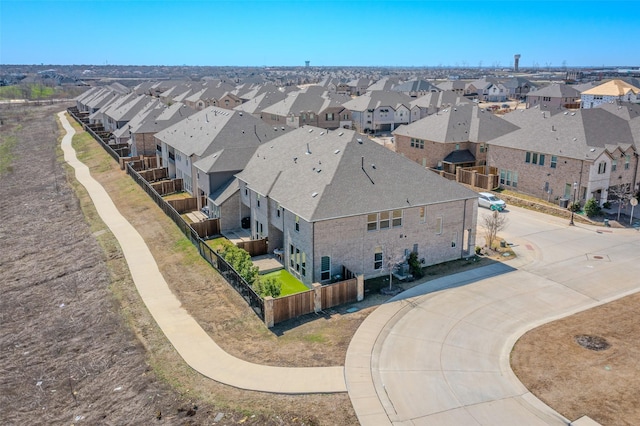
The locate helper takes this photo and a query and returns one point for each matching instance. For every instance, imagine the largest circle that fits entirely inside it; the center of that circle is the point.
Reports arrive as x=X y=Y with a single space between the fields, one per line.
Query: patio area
x=267 y=263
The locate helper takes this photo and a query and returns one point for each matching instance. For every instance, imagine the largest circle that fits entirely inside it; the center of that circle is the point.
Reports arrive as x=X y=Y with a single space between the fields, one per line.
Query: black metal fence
x=231 y=275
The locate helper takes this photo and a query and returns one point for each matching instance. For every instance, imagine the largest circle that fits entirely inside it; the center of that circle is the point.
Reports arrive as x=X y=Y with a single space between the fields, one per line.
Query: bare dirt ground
x=576 y=381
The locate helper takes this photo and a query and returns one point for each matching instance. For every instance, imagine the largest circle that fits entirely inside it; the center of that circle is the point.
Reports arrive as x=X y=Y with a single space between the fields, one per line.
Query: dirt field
x=575 y=381
x=79 y=347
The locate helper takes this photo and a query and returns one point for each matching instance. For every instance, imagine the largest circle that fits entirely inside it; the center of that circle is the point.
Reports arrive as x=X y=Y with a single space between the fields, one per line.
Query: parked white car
x=490 y=201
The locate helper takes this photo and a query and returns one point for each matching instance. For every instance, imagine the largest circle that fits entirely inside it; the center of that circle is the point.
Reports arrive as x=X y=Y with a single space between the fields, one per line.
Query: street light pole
x=575 y=187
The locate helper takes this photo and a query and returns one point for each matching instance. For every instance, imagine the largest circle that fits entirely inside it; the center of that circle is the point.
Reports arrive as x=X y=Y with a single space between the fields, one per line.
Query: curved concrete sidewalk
x=193 y=344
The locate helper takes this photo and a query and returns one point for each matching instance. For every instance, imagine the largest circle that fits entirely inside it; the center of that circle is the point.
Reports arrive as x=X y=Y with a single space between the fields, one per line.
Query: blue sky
x=327 y=33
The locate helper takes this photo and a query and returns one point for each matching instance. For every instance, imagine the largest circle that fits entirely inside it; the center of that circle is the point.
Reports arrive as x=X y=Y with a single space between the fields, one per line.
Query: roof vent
x=573 y=113
x=315 y=194
x=310 y=130
x=341 y=133
x=336 y=151
x=321 y=133
x=359 y=140
x=592 y=150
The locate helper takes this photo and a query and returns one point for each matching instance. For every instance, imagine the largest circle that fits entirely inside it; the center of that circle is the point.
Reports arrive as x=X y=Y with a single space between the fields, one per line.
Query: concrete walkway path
x=193 y=344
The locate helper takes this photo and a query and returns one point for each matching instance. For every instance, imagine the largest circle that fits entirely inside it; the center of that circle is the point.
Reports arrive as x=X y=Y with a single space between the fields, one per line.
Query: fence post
x=458 y=174
x=317 y=297
x=490 y=184
x=474 y=176
x=360 y=284
x=268 y=311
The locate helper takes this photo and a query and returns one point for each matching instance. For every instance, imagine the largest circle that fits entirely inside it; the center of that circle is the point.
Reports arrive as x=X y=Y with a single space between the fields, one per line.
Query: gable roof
x=440 y=99
x=582 y=134
x=214 y=129
x=415 y=86
x=313 y=99
x=461 y=123
x=612 y=88
x=378 y=98
x=320 y=175
x=556 y=90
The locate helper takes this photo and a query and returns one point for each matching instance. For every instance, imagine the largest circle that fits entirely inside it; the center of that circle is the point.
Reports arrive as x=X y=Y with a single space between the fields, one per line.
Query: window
x=397 y=218
x=534 y=158
x=246 y=191
x=546 y=98
x=297 y=224
x=329 y=116
x=554 y=162
x=291 y=251
x=325 y=268
x=602 y=168
x=384 y=220
x=481 y=148
x=258 y=199
x=372 y=222
x=377 y=258
x=627 y=161
x=423 y=214
x=614 y=165
x=310 y=116
x=297 y=260
x=509 y=178
x=439 y=225
x=303 y=264
x=457 y=146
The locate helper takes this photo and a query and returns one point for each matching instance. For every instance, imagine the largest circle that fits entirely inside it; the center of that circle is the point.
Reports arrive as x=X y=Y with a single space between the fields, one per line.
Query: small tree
x=393 y=260
x=240 y=260
x=591 y=207
x=267 y=287
x=492 y=224
x=622 y=194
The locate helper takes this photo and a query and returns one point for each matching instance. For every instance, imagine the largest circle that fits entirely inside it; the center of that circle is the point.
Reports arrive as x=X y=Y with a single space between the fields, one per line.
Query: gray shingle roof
x=314 y=99
x=214 y=129
x=348 y=177
x=415 y=86
x=461 y=123
x=571 y=134
x=378 y=98
x=556 y=91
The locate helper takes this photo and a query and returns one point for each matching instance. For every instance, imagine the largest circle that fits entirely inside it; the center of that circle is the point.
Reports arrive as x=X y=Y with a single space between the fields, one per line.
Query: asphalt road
x=443 y=358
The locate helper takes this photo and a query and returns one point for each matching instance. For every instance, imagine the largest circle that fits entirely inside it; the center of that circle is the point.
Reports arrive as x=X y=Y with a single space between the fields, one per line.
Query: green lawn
x=290 y=284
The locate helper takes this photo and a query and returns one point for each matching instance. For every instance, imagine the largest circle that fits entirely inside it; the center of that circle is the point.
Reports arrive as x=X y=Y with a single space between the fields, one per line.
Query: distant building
x=611 y=91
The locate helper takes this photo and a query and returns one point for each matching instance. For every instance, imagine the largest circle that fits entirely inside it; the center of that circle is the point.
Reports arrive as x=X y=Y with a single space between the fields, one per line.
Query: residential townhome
x=207 y=148
x=456 y=86
x=359 y=86
x=554 y=96
x=111 y=104
x=456 y=136
x=381 y=111
x=124 y=134
x=335 y=199
x=117 y=115
x=85 y=97
x=415 y=88
x=99 y=100
x=142 y=129
x=384 y=84
x=259 y=103
x=518 y=87
x=573 y=154
x=312 y=105
x=610 y=92
x=434 y=102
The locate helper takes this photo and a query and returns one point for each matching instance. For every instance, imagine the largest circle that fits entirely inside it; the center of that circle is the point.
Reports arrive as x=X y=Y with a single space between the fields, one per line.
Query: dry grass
x=576 y=381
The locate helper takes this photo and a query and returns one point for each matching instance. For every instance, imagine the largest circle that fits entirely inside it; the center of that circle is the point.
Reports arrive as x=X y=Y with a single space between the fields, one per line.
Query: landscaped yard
x=290 y=284
x=177 y=196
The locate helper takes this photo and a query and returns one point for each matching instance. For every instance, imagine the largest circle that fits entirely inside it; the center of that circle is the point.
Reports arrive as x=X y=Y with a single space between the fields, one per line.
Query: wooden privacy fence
x=167 y=186
x=293 y=306
x=184 y=205
x=153 y=175
x=254 y=247
x=315 y=300
x=339 y=293
x=207 y=228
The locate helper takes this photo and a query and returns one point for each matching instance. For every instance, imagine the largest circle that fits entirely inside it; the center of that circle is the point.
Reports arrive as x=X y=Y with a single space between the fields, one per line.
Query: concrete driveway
x=442 y=358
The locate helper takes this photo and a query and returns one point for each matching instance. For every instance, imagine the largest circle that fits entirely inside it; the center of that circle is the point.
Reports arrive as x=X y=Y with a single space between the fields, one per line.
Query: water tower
x=306 y=63
x=516 y=61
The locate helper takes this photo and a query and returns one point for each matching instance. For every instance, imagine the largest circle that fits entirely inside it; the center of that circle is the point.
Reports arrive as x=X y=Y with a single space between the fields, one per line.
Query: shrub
x=415 y=267
x=591 y=207
x=606 y=205
x=267 y=287
x=574 y=207
x=240 y=260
